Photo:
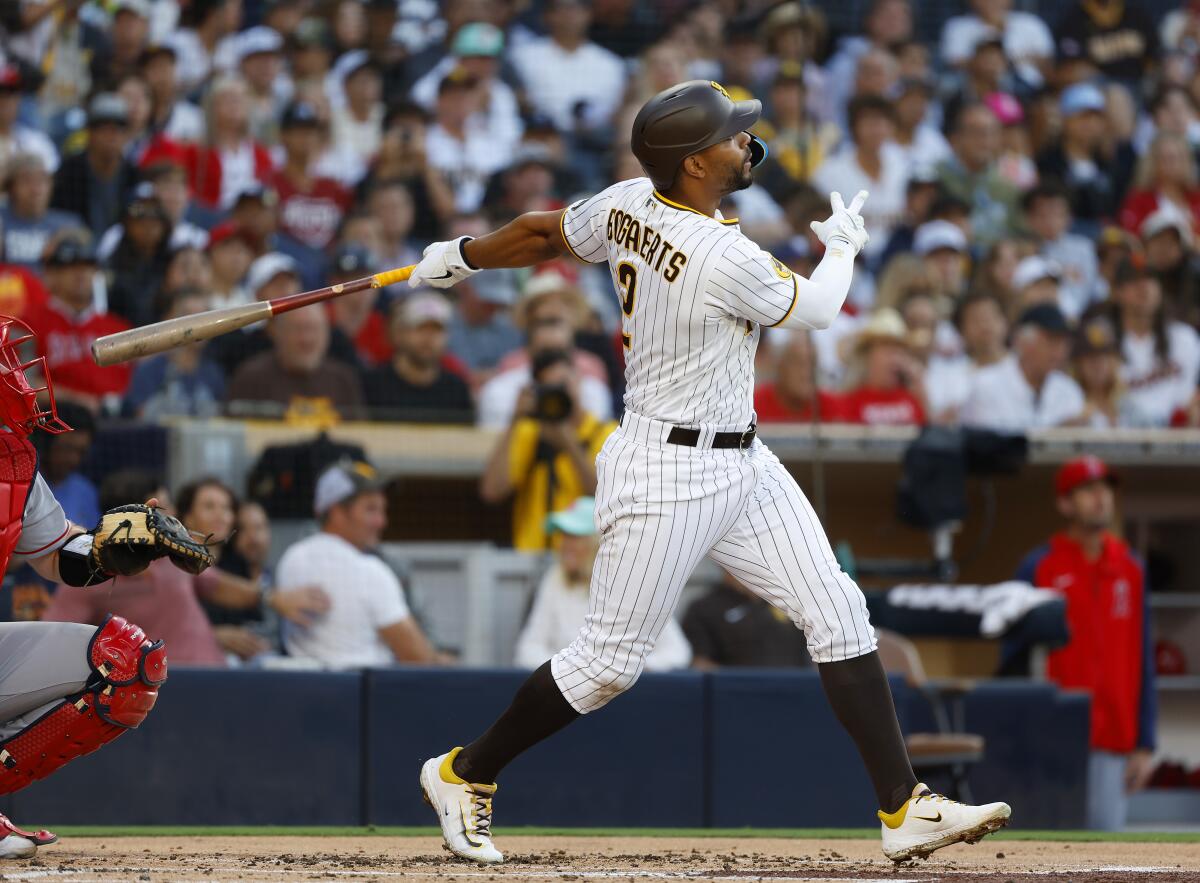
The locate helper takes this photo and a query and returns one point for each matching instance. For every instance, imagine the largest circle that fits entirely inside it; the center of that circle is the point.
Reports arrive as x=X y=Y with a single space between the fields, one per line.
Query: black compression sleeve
x=75 y=563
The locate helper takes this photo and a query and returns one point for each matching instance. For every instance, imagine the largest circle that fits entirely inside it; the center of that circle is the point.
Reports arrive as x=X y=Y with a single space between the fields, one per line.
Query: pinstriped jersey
x=694 y=295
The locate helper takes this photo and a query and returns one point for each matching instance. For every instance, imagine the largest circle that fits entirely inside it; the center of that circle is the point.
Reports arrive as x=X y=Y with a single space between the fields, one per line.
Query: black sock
x=538 y=710
x=859 y=693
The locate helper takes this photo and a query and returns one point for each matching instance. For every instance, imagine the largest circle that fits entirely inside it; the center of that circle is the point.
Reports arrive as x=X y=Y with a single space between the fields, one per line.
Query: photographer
x=547 y=457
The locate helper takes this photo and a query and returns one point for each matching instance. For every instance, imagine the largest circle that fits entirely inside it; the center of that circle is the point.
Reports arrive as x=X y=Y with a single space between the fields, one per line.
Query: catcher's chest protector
x=18 y=466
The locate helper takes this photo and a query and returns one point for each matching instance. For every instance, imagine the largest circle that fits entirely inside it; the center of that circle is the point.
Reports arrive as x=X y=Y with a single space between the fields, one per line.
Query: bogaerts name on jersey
x=626 y=231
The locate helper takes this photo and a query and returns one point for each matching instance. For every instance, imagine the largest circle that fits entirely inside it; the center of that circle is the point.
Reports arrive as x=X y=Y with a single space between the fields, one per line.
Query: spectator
x=1047 y=210
x=551 y=312
x=368 y=622
x=136 y=94
x=1172 y=112
x=889 y=389
x=260 y=63
x=994 y=273
x=1114 y=246
x=403 y=156
x=297 y=374
x=923 y=145
x=356 y=124
x=207 y=24
x=1170 y=244
x=547 y=457
x=72 y=51
x=414 y=385
x=1166 y=176
x=1027 y=42
x=60 y=457
x=1115 y=36
x=973 y=174
x=393 y=211
x=230 y=162
x=1161 y=356
x=252 y=543
x=887 y=23
x=476 y=48
x=310 y=207
x=1096 y=358
x=161 y=598
x=357 y=316
x=68 y=323
x=1110 y=654
x=181 y=382
x=793 y=396
x=1095 y=171
x=799 y=142
x=527 y=184
x=27 y=222
x=561 y=601
x=1027 y=389
x=95 y=183
x=185 y=220
x=980 y=321
x=1016 y=163
x=177 y=119
x=1035 y=281
x=985 y=72
x=870 y=162
x=270 y=276
x=230 y=256
x=459 y=147
x=919 y=198
x=731 y=626
x=943 y=250
x=15 y=138
x=566 y=77
x=138 y=263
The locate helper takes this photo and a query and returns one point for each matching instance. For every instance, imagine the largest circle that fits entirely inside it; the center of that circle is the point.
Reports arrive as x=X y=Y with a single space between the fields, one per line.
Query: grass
x=699 y=833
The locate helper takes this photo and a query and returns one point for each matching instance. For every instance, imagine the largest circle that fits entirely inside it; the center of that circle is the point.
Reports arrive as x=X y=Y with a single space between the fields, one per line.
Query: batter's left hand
x=443 y=265
x=845 y=224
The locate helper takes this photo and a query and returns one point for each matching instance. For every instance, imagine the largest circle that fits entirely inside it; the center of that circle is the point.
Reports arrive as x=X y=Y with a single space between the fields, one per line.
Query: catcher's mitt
x=128 y=538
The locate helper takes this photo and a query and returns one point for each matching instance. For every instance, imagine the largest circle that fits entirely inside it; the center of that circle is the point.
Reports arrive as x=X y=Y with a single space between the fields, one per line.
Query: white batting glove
x=443 y=265
x=845 y=224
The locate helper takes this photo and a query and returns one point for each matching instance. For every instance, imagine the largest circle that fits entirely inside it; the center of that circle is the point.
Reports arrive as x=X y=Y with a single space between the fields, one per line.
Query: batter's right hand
x=442 y=265
x=845 y=224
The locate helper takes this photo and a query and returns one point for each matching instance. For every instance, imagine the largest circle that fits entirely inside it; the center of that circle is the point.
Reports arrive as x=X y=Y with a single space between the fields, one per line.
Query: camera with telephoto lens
x=552 y=403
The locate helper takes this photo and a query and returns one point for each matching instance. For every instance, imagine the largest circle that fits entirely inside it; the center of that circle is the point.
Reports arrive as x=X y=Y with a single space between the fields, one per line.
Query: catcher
x=65 y=688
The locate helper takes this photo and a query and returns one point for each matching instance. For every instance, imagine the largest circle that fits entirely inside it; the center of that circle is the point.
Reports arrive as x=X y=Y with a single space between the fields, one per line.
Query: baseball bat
x=182 y=330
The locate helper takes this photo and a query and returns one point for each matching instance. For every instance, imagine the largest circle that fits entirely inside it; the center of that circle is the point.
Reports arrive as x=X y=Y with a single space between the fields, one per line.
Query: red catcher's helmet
x=19 y=407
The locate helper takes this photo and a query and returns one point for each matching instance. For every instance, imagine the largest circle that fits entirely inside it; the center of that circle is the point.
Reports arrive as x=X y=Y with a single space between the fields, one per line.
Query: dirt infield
x=581 y=859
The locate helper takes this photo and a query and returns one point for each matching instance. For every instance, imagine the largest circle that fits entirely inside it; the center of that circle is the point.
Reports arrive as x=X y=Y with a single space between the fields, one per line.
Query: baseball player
x=66 y=689
x=684 y=476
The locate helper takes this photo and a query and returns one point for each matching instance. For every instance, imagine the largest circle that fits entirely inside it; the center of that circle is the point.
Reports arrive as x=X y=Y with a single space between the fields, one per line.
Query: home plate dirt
x=583 y=859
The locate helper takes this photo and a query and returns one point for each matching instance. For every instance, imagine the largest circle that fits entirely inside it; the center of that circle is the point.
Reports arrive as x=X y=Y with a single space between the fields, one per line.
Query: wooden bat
x=182 y=330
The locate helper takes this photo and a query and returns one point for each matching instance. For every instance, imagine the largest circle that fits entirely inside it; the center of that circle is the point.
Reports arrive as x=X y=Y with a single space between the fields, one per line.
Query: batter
x=684 y=477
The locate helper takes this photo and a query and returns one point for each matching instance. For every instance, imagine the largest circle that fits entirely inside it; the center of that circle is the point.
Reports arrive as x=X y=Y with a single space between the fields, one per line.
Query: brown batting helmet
x=686 y=119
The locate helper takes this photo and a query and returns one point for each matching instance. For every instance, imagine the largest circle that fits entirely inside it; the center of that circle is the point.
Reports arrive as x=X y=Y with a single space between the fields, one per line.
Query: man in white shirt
x=566 y=77
x=368 y=623
x=871 y=162
x=459 y=145
x=561 y=602
x=1027 y=389
x=1028 y=44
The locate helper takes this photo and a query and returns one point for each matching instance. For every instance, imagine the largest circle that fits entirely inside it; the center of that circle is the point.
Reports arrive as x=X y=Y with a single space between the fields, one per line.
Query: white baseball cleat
x=929 y=821
x=464 y=810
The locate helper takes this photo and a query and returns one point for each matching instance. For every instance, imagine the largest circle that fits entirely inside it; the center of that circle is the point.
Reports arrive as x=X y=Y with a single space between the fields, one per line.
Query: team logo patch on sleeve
x=781 y=269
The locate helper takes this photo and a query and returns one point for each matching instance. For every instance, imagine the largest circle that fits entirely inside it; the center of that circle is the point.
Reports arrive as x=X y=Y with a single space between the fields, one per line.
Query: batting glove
x=443 y=265
x=845 y=225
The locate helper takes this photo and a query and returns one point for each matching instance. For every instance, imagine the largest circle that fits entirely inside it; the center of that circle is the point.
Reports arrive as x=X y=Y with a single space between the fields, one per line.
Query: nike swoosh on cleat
x=936 y=818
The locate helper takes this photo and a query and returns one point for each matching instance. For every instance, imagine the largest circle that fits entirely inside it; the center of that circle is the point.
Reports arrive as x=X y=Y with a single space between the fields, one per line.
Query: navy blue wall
x=681 y=750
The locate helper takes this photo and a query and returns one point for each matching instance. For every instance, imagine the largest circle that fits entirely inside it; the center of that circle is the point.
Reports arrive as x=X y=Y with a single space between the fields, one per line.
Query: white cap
x=426 y=306
x=935 y=235
x=342 y=481
x=1167 y=217
x=258 y=39
x=1033 y=269
x=138 y=7
x=266 y=268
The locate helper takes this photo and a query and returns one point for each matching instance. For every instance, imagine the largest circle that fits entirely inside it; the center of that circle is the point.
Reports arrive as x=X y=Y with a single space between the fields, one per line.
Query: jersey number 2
x=627 y=282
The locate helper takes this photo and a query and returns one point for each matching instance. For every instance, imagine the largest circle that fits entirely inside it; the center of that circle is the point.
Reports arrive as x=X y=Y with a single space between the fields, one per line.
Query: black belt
x=689 y=438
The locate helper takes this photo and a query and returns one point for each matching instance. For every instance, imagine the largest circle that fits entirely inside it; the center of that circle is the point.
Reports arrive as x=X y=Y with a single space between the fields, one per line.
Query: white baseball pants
x=660 y=509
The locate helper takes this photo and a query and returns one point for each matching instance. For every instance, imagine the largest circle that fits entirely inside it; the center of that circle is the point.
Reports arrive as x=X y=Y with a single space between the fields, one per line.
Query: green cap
x=578 y=521
x=478 y=38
